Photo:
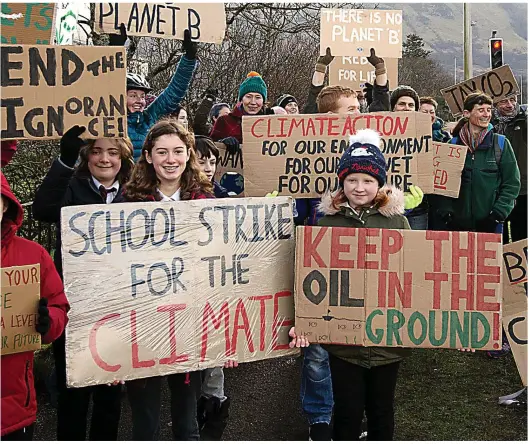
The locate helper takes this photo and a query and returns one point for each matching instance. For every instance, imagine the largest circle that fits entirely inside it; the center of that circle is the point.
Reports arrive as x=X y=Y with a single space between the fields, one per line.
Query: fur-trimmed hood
x=390 y=201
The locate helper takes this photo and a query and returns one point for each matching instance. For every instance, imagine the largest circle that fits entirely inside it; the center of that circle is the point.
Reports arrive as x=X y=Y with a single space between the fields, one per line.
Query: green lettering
x=394 y=326
x=378 y=336
x=432 y=328
x=27 y=15
x=7 y=11
x=417 y=316
x=475 y=318
x=457 y=329
x=47 y=17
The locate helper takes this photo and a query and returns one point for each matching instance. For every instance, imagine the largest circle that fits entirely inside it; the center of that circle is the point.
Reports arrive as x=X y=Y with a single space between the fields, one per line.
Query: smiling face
x=507 y=107
x=208 y=166
x=360 y=189
x=104 y=161
x=348 y=105
x=405 y=103
x=169 y=157
x=183 y=117
x=479 y=117
x=427 y=108
x=252 y=103
x=135 y=100
x=292 y=108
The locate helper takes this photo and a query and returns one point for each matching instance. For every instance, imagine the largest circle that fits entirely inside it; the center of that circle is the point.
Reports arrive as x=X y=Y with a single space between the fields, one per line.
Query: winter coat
x=438 y=134
x=219 y=191
x=516 y=131
x=390 y=216
x=19 y=402
x=61 y=188
x=201 y=126
x=231 y=124
x=139 y=123
x=485 y=188
x=307 y=211
x=9 y=148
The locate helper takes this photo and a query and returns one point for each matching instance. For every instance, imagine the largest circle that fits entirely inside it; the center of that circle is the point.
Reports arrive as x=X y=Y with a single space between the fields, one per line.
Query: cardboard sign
x=355 y=31
x=355 y=71
x=48 y=89
x=298 y=155
x=27 y=23
x=229 y=171
x=498 y=83
x=448 y=163
x=168 y=287
x=515 y=303
x=206 y=21
x=395 y=288
x=20 y=300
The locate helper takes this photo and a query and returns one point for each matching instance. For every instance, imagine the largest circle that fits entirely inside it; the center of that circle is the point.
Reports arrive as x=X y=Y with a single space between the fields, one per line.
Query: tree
x=414 y=47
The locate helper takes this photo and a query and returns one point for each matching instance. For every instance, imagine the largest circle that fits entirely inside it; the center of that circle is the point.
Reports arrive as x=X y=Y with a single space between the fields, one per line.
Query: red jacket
x=19 y=404
x=8 y=150
x=229 y=126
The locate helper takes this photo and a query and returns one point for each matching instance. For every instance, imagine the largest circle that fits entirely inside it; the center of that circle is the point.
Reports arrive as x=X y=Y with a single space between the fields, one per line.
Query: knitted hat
x=285 y=99
x=363 y=156
x=403 y=90
x=253 y=84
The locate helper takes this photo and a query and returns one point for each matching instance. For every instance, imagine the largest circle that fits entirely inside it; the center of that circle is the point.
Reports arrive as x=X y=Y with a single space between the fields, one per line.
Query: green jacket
x=485 y=187
x=388 y=215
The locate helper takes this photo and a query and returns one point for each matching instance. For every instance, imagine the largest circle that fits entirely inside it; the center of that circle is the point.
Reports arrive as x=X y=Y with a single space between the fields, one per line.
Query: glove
x=211 y=93
x=413 y=198
x=368 y=92
x=232 y=144
x=489 y=224
x=324 y=61
x=71 y=144
x=118 y=39
x=273 y=194
x=377 y=62
x=43 y=323
x=189 y=47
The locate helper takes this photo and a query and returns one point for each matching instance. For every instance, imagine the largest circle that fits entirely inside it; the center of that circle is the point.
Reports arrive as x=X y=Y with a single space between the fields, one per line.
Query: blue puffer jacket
x=139 y=123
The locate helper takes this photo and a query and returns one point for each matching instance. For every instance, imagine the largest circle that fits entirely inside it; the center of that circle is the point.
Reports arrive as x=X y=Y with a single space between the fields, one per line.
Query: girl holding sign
x=104 y=166
x=364 y=378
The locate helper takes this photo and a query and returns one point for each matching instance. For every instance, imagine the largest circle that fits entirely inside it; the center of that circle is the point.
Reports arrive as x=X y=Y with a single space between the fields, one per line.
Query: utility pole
x=455 y=71
x=468 y=54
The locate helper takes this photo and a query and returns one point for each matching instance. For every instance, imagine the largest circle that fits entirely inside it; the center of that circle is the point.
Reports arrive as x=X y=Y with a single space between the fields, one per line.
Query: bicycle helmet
x=135 y=81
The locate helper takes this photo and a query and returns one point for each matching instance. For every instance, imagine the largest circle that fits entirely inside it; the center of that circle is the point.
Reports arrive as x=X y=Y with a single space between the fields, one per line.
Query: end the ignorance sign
x=298 y=155
x=399 y=288
x=162 y=288
x=48 y=89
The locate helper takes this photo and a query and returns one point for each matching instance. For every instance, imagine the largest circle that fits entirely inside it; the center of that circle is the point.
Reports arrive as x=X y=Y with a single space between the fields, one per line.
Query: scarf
x=502 y=121
x=467 y=136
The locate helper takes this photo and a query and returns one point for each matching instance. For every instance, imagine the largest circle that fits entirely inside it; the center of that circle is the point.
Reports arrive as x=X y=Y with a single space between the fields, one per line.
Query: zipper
x=26 y=378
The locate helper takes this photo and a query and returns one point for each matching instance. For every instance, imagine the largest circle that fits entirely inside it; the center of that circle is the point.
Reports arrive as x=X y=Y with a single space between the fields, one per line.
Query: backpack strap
x=498 y=147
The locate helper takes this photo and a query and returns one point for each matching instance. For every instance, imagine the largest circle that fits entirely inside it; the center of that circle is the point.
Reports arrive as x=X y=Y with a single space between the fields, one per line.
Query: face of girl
x=360 y=189
x=104 y=161
x=135 y=100
x=183 y=117
x=208 y=166
x=169 y=157
x=252 y=103
x=292 y=108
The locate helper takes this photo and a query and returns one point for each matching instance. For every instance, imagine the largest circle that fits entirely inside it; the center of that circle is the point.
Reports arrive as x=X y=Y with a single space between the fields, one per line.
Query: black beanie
x=285 y=99
x=403 y=90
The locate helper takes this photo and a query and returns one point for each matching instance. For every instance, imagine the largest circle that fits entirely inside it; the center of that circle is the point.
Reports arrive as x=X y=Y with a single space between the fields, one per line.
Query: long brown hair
x=143 y=183
x=125 y=148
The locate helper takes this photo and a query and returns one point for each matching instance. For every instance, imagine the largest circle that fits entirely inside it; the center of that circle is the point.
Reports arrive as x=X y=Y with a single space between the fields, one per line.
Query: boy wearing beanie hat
x=404 y=98
x=362 y=373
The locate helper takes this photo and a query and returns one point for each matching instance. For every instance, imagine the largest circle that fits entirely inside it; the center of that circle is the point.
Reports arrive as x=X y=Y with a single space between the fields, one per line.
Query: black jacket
x=516 y=130
x=219 y=191
x=61 y=188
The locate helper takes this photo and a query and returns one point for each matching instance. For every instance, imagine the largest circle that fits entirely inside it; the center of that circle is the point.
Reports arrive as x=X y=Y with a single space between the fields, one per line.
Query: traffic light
x=496 y=58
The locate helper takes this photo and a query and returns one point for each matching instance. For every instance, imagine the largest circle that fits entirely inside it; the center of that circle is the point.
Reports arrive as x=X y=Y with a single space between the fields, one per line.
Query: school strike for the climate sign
x=161 y=288
x=298 y=155
x=393 y=288
x=48 y=89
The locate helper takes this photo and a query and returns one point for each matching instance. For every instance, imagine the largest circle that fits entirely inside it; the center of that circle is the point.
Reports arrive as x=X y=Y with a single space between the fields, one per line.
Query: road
x=265 y=405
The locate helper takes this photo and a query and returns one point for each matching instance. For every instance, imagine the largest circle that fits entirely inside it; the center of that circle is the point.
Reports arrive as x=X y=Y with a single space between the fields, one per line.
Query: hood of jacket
x=391 y=202
x=13 y=217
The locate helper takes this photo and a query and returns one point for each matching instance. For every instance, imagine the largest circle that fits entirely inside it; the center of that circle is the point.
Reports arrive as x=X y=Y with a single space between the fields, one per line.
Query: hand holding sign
x=71 y=144
x=189 y=47
x=118 y=39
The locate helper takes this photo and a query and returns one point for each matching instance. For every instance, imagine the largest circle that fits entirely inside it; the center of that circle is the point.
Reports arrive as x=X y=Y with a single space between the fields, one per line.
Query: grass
x=451 y=395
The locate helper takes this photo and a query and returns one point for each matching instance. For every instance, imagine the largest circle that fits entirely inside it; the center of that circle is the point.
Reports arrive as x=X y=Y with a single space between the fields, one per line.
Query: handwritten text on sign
x=27 y=23
x=161 y=288
x=205 y=21
x=354 y=31
x=448 y=163
x=515 y=303
x=398 y=288
x=498 y=83
x=298 y=155
x=48 y=89
x=355 y=71
x=20 y=298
